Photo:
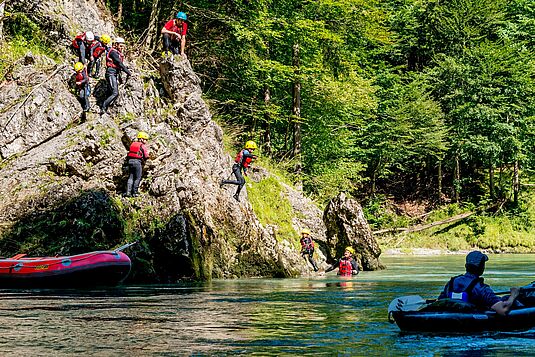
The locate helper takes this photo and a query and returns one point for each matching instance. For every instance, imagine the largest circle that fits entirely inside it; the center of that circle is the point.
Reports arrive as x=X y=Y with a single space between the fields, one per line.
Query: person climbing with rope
x=114 y=66
x=241 y=163
x=174 y=35
x=347 y=265
x=83 y=89
x=137 y=155
x=307 y=247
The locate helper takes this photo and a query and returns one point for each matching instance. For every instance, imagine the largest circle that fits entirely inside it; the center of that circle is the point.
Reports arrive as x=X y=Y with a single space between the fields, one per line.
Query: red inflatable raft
x=83 y=270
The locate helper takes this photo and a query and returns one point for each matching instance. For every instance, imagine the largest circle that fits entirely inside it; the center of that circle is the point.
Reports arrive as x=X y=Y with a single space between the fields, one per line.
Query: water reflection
x=325 y=315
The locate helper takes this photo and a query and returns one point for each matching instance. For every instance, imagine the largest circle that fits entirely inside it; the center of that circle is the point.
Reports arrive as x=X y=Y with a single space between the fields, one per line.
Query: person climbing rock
x=241 y=162
x=469 y=287
x=81 y=44
x=96 y=49
x=347 y=266
x=114 y=66
x=174 y=35
x=137 y=155
x=83 y=89
x=307 y=247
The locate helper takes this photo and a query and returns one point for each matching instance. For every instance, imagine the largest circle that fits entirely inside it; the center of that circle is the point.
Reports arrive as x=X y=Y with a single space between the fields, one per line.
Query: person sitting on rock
x=96 y=49
x=114 y=66
x=137 y=155
x=81 y=44
x=469 y=287
x=307 y=247
x=347 y=266
x=174 y=35
x=82 y=85
x=241 y=162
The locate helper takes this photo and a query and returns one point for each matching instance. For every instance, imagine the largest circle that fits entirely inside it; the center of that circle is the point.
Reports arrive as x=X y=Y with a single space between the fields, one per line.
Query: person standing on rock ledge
x=347 y=266
x=81 y=43
x=242 y=162
x=174 y=35
x=137 y=155
x=114 y=66
x=82 y=85
x=307 y=247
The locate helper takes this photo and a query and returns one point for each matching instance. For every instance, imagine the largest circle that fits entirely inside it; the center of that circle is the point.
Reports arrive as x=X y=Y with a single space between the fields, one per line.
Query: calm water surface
x=320 y=316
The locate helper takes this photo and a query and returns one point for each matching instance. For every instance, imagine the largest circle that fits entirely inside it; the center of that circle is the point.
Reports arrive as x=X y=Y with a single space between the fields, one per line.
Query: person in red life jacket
x=242 y=162
x=347 y=266
x=114 y=66
x=307 y=247
x=82 y=85
x=137 y=155
x=96 y=49
x=174 y=35
x=81 y=43
x=470 y=287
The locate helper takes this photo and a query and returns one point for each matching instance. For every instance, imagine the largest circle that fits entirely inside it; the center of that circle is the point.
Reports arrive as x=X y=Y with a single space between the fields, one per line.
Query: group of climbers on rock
x=90 y=48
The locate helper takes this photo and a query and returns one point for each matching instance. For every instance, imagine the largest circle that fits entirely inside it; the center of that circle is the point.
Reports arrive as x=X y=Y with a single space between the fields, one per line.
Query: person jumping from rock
x=307 y=247
x=114 y=66
x=242 y=162
x=82 y=85
x=96 y=49
x=137 y=155
x=174 y=35
x=347 y=266
x=81 y=43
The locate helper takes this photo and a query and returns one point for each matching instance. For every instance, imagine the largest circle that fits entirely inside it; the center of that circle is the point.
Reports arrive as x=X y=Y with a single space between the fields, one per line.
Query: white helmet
x=89 y=36
x=119 y=40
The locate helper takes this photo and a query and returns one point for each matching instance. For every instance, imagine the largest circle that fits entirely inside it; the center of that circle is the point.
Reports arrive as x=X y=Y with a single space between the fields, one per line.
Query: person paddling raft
x=307 y=247
x=241 y=162
x=469 y=287
x=347 y=266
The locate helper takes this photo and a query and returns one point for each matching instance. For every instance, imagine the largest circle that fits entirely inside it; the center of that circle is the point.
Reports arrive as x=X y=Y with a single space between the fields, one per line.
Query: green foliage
x=272 y=207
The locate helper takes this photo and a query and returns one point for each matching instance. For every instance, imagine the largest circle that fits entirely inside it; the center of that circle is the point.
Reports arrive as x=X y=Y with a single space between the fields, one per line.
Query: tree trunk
x=152 y=28
x=491 y=181
x=119 y=15
x=516 y=183
x=439 y=182
x=2 y=7
x=457 y=179
x=296 y=111
x=267 y=119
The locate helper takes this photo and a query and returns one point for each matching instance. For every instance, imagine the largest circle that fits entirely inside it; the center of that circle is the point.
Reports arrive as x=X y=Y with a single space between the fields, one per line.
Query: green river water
x=307 y=316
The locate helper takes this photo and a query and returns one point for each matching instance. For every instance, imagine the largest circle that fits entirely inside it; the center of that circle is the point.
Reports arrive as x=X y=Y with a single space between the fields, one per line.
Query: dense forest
x=413 y=99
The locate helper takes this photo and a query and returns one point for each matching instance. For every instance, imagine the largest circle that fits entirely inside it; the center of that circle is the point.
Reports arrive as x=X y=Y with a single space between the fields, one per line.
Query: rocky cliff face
x=347 y=226
x=61 y=177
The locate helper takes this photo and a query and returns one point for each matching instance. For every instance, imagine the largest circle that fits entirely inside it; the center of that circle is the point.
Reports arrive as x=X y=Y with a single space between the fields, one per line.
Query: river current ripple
x=307 y=316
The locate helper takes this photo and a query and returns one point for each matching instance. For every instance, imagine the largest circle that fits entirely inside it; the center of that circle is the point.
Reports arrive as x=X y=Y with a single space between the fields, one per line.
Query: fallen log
x=422 y=227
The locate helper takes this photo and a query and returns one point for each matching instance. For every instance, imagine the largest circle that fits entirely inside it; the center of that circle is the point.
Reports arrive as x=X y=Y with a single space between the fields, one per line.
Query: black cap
x=476 y=258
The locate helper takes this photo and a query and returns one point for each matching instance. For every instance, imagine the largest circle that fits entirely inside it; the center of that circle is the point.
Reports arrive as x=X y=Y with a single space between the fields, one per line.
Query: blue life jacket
x=462 y=294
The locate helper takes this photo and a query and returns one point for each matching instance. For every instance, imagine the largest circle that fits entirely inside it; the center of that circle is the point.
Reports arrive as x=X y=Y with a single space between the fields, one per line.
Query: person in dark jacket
x=82 y=85
x=242 y=162
x=137 y=155
x=95 y=50
x=347 y=265
x=307 y=247
x=114 y=67
x=469 y=287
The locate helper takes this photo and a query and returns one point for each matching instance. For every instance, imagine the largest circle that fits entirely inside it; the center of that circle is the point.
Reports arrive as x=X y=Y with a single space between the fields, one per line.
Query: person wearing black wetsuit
x=114 y=66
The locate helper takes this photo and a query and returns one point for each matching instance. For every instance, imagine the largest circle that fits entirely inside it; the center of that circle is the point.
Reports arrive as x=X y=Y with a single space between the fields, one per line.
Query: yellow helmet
x=105 y=39
x=350 y=250
x=305 y=231
x=250 y=145
x=78 y=66
x=143 y=135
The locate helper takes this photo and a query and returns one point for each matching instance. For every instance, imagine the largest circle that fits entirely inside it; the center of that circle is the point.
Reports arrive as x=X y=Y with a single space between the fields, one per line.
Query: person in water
x=347 y=266
x=307 y=248
x=469 y=287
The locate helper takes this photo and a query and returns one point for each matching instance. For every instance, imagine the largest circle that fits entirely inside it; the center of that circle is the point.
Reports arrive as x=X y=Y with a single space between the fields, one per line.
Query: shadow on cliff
x=94 y=220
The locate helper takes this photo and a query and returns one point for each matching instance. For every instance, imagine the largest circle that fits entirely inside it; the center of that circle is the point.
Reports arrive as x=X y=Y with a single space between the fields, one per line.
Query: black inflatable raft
x=465 y=319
